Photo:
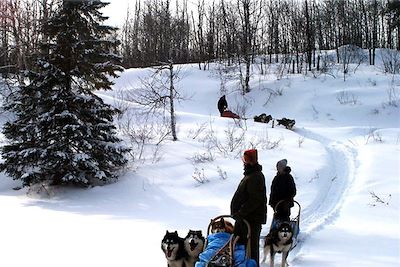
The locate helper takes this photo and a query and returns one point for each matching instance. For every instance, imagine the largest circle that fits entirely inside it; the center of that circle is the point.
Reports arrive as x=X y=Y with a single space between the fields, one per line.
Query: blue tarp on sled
x=215 y=243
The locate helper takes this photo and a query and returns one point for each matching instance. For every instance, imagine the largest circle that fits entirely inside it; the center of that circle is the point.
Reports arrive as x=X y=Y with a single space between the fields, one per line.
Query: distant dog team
x=264 y=118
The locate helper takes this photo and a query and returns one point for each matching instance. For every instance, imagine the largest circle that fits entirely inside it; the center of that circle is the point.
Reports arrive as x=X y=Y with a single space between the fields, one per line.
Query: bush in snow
x=374 y=136
x=202 y=157
x=379 y=200
x=233 y=140
x=231 y=145
x=198 y=176
x=393 y=94
x=194 y=133
x=349 y=55
x=345 y=97
x=271 y=94
x=327 y=63
x=300 y=141
x=63 y=133
x=263 y=141
x=390 y=60
x=143 y=134
x=222 y=174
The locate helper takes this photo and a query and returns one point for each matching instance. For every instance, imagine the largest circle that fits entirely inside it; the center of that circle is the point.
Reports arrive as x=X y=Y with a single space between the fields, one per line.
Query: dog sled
x=222 y=249
x=230 y=114
x=294 y=222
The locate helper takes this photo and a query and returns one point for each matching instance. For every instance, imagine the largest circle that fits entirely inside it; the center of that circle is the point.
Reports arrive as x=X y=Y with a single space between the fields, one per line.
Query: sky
x=116 y=11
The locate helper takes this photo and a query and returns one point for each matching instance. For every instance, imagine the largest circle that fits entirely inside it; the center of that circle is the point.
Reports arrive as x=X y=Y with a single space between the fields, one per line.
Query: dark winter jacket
x=282 y=188
x=250 y=199
x=222 y=104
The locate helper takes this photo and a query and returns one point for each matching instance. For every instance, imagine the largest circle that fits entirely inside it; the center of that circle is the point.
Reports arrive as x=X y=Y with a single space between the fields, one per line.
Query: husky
x=279 y=240
x=193 y=245
x=263 y=118
x=172 y=246
x=288 y=123
x=221 y=226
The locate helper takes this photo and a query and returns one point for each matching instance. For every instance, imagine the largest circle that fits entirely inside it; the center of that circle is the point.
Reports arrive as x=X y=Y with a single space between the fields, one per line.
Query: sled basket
x=224 y=257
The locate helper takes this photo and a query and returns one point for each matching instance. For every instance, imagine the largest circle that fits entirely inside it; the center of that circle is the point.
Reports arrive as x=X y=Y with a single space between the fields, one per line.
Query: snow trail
x=337 y=179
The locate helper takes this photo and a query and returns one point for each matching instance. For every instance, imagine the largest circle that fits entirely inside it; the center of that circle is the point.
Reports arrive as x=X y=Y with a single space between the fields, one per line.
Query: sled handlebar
x=294 y=201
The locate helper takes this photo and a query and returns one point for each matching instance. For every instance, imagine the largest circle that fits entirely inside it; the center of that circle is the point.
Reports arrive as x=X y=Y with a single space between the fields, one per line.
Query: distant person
x=222 y=105
x=282 y=188
x=250 y=203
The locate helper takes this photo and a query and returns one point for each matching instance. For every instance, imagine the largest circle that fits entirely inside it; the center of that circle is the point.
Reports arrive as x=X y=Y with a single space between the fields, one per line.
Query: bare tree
x=250 y=12
x=158 y=93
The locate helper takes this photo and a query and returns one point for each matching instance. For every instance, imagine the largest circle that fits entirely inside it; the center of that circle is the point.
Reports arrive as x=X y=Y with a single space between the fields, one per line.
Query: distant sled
x=230 y=114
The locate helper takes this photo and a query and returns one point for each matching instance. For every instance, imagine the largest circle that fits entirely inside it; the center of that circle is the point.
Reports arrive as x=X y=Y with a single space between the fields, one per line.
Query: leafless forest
x=231 y=31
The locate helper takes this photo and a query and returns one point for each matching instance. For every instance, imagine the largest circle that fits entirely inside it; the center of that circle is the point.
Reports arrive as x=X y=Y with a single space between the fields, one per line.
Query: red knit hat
x=250 y=156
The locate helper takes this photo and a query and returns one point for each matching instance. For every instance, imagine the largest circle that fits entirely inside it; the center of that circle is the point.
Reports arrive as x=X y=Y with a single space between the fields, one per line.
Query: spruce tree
x=63 y=133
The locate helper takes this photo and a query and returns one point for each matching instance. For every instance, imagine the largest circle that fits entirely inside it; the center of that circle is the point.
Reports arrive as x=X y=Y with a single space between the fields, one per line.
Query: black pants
x=283 y=211
x=241 y=231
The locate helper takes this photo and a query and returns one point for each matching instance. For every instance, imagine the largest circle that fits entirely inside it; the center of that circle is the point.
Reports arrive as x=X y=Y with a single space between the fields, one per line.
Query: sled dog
x=172 y=246
x=221 y=226
x=263 y=118
x=279 y=240
x=288 y=123
x=193 y=245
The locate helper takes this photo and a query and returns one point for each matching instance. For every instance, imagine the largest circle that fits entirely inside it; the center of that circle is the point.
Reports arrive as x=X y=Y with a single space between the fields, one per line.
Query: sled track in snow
x=336 y=179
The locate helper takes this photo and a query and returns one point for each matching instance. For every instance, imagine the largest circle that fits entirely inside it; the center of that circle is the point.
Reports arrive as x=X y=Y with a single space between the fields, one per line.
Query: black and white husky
x=193 y=244
x=172 y=246
x=279 y=240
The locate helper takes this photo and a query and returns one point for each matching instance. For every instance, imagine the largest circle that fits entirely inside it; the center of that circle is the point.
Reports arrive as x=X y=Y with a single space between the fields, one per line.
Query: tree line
x=231 y=29
x=157 y=31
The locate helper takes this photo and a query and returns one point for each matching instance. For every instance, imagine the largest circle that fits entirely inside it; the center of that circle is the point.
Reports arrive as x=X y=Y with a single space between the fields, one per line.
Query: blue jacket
x=215 y=243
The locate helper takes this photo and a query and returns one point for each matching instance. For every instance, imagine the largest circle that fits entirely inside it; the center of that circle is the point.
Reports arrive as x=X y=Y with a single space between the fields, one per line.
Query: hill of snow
x=345 y=159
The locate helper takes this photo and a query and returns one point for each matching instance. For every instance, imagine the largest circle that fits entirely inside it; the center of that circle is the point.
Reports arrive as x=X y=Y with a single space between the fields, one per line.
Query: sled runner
x=294 y=222
x=221 y=249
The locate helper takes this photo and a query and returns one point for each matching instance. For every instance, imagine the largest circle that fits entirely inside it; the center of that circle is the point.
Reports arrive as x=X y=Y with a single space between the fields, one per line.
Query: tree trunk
x=171 y=96
x=247 y=78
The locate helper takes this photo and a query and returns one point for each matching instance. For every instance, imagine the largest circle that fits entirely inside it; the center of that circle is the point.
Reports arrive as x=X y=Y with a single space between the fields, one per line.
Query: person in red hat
x=250 y=202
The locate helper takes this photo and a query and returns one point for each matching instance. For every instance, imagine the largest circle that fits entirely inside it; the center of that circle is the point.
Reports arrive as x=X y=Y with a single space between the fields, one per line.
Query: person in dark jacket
x=222 y=104
x=250 y=202
x=282 y=188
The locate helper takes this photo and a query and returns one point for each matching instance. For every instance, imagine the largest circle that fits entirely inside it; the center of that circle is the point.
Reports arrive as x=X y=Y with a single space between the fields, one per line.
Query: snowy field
x=345 y=159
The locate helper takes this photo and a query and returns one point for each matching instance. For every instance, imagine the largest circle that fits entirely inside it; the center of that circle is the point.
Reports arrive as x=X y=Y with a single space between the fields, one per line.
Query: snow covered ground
x=345 y=160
